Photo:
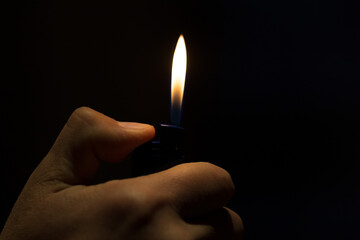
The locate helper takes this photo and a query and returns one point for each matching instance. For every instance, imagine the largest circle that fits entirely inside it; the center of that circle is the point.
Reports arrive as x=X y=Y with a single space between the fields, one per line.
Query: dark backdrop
x=272 y=95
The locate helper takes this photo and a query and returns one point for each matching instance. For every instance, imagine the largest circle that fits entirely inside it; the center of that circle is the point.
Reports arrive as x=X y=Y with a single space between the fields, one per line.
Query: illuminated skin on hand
x=184 y=202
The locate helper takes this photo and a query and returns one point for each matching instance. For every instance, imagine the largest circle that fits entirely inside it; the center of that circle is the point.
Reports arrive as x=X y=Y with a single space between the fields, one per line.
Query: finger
x=223 y=223
x=87 y=138
x=193 y=189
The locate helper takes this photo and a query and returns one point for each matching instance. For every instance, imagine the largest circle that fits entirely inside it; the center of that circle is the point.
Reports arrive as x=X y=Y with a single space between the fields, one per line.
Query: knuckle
x=237 y=224
x=205 y=173
x=121 y=201
x=81 y=110
x=81 y=115
x=139 y=202
x=221 y=177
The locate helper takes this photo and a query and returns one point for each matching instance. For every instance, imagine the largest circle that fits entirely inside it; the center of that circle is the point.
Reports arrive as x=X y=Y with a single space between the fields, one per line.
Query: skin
x=184 y=202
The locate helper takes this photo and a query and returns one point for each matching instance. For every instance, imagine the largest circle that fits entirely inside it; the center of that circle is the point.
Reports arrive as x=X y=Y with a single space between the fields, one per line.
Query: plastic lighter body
x=165 y=151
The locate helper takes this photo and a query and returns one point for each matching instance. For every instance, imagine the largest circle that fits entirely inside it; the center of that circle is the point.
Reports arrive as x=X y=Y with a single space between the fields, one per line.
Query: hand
x=184 y=202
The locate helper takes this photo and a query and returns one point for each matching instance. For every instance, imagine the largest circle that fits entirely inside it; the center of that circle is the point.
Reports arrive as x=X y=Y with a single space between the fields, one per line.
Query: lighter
x=165 y=151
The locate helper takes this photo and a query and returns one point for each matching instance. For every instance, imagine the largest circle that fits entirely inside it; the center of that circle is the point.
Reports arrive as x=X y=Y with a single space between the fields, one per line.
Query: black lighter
x=165 y=151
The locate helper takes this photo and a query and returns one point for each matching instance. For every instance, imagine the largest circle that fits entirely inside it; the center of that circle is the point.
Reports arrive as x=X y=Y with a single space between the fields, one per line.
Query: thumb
x=88 y=138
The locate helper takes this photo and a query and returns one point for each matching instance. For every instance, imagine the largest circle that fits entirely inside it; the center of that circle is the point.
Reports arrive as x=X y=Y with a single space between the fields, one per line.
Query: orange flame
x=178 y=74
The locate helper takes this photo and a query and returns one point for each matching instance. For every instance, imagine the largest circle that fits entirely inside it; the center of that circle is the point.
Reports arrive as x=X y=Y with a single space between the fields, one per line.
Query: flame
x=178 y=74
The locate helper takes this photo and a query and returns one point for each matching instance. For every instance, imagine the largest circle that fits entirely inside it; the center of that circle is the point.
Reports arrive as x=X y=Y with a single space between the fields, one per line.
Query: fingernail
x=133 y=125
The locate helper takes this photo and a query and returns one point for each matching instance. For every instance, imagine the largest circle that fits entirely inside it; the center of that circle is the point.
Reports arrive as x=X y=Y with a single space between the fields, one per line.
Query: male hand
x=184 y=202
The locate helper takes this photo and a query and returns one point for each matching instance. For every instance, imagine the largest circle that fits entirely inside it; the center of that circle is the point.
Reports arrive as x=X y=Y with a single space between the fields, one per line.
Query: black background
x=272 y=95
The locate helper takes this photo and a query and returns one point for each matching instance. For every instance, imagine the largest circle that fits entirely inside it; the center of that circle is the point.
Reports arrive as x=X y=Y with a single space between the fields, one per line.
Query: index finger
x=195 y=188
